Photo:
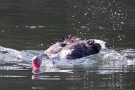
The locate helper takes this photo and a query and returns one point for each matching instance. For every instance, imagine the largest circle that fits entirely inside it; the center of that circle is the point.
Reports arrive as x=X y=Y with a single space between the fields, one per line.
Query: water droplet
x=86 y=13
x=88 y=8
x=115 y=13
x=42 y=44
x=73 y=24
x=2 y=31
x=122 y=22
x=119 y=14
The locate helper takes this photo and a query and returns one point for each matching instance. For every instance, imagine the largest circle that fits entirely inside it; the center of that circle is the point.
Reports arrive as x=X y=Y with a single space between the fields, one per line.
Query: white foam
x=61 y=55
x=102 y=43
x=64 y=53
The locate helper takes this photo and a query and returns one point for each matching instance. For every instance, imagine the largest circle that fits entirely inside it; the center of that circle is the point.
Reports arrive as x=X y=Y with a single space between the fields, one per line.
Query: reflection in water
x=11 y=68
x=42 y=77
x=11 y=76
x=38 y=88
x=90 y=79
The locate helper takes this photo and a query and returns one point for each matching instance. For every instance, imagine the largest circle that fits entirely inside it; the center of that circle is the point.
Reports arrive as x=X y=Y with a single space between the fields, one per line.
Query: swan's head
x=36 y=62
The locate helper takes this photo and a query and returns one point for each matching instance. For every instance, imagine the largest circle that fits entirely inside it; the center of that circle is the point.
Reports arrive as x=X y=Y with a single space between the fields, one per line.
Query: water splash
x=107 y=58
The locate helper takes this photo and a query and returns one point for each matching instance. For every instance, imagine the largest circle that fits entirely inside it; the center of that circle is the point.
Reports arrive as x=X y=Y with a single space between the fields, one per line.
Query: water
x=27 y=28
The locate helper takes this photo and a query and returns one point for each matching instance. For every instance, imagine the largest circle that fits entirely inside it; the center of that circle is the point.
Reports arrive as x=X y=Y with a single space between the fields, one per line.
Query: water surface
x=27 y=28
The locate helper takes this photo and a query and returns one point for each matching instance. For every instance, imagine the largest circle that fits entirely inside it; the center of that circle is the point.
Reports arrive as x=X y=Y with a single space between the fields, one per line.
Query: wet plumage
x=79 y=48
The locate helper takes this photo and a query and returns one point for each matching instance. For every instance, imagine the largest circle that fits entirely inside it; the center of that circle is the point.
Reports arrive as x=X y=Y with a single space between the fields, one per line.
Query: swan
x=76 y=48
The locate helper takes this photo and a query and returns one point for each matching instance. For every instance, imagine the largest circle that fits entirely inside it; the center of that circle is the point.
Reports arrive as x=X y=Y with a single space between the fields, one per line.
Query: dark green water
x=35 y=24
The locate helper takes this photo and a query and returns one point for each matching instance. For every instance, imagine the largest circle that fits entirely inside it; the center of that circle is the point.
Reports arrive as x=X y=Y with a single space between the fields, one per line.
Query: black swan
x=78 y=49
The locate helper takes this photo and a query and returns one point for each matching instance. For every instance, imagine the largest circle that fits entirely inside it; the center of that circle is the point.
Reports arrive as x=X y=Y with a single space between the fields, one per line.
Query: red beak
x=36 y=65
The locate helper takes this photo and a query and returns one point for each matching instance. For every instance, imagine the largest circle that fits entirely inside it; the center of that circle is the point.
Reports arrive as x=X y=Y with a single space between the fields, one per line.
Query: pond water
x=27 y=28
